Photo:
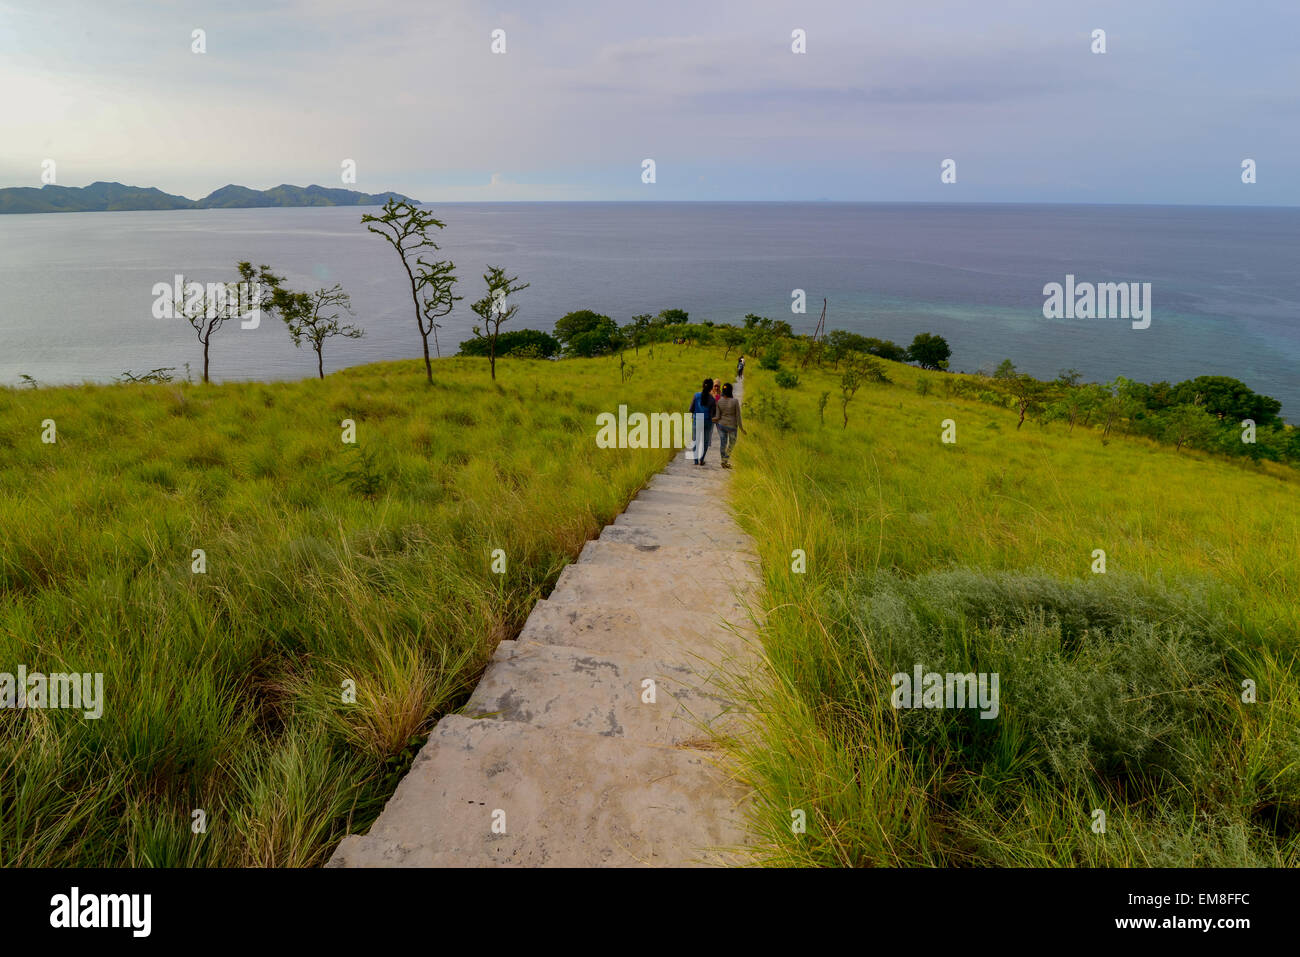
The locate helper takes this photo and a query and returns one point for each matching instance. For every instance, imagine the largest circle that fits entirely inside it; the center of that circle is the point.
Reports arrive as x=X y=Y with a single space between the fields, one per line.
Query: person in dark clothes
x=703 y=407
x=740 y=368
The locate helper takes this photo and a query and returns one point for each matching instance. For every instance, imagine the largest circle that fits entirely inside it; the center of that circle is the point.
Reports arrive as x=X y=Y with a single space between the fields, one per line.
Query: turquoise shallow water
x=76 y=289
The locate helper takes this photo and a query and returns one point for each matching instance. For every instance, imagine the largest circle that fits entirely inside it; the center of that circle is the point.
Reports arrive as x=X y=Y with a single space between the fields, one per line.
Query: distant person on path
x=727 y=418
x=740 y=368
x=703 y=407
x=717 y=389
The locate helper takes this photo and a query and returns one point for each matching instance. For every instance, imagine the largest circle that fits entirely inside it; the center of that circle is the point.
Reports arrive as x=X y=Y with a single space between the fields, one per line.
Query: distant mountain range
x=101 y=197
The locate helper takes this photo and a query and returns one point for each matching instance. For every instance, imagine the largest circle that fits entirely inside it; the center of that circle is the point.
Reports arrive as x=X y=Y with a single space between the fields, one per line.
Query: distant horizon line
x=855 y=202
x=649 y=202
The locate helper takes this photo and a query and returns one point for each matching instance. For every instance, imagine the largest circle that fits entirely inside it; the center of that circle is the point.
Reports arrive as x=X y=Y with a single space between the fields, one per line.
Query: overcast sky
x=709 y=89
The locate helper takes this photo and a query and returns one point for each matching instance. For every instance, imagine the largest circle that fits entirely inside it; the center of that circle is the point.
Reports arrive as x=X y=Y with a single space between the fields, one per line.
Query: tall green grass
x=326 y=564
x=1120 y=692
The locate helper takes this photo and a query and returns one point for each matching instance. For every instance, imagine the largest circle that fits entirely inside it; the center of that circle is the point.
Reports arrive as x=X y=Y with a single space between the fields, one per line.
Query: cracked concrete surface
x=591 y=739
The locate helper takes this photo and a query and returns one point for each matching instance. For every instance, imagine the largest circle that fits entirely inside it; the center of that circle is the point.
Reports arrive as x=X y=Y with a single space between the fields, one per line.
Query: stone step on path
x=557 y=686
x=645 y=532
x=593 y=737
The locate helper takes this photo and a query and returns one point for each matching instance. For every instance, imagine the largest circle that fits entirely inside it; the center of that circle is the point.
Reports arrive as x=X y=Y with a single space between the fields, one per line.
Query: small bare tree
x=208 y=307
x=406 y=229
x=493 y=309
x=314 y=317
x=436 y=281
x=1028 y=394
x=733 y=338
x=849 y=384
x=639 y=330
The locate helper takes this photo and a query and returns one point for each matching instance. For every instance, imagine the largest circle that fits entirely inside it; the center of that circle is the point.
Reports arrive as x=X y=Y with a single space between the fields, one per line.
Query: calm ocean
x=75 y=289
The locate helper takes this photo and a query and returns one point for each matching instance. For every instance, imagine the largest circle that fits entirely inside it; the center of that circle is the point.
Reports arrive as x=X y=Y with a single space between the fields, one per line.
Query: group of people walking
x=715 y=405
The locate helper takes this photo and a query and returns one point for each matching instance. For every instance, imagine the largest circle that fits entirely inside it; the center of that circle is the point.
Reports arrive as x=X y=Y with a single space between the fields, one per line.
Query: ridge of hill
x=106 y=197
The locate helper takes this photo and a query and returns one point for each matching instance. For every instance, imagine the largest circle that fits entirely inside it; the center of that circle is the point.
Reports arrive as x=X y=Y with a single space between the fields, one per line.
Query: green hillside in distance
x=95 y=197
x=241 y=197
x=103 y=197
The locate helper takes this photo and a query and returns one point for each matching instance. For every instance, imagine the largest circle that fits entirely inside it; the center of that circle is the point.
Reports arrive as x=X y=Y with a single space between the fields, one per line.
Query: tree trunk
x=415 y=299
x=205 y=360
x=320 y=362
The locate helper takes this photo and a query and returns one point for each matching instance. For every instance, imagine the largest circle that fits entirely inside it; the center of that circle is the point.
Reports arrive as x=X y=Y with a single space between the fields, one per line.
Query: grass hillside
x=1121 y=692
x=325 y=563
x=331 y=566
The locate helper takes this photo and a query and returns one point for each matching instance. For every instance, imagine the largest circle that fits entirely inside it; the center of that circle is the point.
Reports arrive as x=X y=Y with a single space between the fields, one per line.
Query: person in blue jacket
x=703 y=407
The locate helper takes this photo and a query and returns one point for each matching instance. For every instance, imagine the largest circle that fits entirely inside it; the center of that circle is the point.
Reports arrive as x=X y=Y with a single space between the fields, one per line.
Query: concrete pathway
x=590 y=740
